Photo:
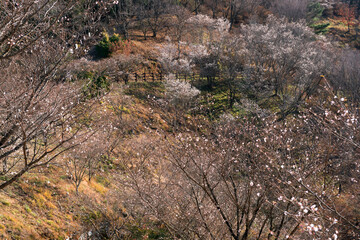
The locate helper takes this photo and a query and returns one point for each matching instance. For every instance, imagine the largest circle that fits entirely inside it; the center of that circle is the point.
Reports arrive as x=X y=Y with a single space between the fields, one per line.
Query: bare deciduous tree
x=345 y=74
x=83 y=160
x=234 y=8
x=248 y=180
x=281 y=54
x=22 y=23
x=122 y=12
x=38 y=121
x=294 y=10
x=180 y=94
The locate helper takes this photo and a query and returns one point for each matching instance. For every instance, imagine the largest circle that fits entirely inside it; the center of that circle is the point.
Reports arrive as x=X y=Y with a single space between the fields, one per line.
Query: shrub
x=103 y=49
x=108 y=45
x=115 y=38
x=314 y=12
x=320 y=28
x=97 y=84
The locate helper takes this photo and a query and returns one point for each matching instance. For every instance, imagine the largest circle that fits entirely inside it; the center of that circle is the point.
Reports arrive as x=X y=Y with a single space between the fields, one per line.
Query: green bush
x=108 y=45
x=314 y=15
x=321 y=28
x=103 y=49
x=96 y=85
x=115 y=38
x=314 y=12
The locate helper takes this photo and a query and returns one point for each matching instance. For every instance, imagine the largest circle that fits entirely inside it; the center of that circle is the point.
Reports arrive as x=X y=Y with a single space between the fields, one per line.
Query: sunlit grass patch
x=145 y=90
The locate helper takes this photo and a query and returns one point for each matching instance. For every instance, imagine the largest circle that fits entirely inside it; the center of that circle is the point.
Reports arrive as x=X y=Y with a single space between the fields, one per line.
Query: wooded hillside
x=179 y=119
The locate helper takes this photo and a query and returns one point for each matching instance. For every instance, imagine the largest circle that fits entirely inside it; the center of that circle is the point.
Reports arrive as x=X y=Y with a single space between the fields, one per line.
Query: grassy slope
x=338 y=31
x=43 y=203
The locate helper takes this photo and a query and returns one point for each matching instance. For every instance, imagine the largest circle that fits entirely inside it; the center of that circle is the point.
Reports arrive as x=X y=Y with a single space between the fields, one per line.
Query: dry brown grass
x=41 y=210
x=43 y=203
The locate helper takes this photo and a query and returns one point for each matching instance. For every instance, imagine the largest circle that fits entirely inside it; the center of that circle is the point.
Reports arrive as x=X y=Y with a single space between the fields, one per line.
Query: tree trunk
x=4 y=167
x=77 y=188
x=14 y=178
x=209 y=82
